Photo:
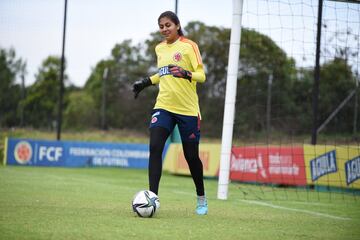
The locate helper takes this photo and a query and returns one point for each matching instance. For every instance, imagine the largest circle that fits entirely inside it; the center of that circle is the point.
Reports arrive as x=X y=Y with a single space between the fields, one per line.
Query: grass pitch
x=95 y=203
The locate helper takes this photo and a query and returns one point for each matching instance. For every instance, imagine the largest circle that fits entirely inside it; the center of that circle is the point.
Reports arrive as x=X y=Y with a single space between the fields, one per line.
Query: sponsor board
x=209 y=154
x=323 y=165
x=336 y=166
x=268 y=164
x=76 y=154
x=35 y=153
x=352 y=170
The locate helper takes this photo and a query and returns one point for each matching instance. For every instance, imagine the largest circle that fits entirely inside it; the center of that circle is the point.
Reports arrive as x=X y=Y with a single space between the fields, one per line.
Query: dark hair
x=174 y=18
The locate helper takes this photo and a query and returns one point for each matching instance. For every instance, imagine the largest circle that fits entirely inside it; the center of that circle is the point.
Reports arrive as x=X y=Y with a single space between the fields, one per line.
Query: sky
x=34 y=27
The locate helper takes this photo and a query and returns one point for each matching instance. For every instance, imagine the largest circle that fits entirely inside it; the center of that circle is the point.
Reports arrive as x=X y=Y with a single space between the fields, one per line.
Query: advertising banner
x=268 y=164
x=75 y=154
x=337 y=166
x=209 y=154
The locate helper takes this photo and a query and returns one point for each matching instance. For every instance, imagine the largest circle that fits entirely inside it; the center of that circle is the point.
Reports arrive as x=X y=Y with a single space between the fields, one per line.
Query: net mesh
x=274 y=111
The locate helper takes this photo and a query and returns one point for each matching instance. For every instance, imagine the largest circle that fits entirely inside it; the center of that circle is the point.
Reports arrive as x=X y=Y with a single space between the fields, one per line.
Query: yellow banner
x=209 y=154
x=337 y=166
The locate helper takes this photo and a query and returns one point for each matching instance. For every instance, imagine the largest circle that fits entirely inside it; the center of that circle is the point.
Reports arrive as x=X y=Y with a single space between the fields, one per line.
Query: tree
x=80 y=112
x=10 y=67
x=336 y=82
x=259 y=58
x=41 y=101
x=126 y=65
x=302 y=91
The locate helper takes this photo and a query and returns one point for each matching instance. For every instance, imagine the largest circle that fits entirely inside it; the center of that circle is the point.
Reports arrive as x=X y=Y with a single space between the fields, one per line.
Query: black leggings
x=158 y=136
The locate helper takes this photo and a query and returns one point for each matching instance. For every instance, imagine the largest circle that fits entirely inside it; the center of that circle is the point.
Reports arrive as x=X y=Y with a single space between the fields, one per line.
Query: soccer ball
x=145 y=203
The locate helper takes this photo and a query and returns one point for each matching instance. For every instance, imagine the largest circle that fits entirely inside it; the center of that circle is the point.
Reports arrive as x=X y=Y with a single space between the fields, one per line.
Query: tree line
x=273 y=93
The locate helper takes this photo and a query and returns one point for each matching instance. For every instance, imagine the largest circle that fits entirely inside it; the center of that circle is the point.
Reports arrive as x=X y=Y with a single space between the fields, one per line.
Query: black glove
x=139 y=85
x=179 y=72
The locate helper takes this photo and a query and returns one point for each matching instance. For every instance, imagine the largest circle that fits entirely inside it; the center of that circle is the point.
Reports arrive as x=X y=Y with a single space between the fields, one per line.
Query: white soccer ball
x=145 y=203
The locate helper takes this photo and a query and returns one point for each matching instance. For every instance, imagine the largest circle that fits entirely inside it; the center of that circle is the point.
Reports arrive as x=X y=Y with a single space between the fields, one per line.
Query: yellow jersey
x=178 y=95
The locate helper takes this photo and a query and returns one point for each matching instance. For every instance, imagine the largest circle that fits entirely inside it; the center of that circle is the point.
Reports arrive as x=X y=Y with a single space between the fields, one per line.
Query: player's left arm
x=197 y=74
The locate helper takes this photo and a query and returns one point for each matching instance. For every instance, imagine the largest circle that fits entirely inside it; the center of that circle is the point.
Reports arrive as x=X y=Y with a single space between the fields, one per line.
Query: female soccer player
x=180 y=68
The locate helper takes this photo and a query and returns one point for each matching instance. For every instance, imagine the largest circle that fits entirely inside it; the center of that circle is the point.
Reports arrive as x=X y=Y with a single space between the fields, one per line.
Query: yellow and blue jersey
x=178 y=95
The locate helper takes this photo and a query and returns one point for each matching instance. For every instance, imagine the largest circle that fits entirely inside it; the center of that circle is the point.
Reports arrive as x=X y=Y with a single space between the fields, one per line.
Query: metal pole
x=317 y=76
x=103 y=105
x=22 y=98
x=268 y=105
x=176 y=7
x=61 y=82
x=175 y=134
x=333 y=114
x=356 y=105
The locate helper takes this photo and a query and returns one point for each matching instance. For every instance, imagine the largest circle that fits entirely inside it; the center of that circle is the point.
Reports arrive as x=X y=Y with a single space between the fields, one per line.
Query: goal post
x=230 y=99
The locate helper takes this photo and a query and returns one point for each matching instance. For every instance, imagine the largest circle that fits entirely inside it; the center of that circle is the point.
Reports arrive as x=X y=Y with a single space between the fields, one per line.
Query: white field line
x=280 y=207
x=183 y=193
x=308 y=203
x=295 y=210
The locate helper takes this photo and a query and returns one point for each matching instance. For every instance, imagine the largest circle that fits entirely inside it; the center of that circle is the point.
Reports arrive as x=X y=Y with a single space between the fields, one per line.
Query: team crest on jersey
x=177 y=57
x=154 y=120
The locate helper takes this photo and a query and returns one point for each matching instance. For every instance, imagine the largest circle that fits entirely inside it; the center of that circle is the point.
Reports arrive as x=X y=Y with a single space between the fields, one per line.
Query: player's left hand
x=179 y=72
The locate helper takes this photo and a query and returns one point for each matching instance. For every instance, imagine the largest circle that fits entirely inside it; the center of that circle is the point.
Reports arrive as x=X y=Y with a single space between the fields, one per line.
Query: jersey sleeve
x=195 y=58
x=155 y=79
x=199 y=74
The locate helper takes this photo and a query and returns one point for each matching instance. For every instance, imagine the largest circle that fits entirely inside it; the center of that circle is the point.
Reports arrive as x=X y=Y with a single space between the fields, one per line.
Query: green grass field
x=95 y=203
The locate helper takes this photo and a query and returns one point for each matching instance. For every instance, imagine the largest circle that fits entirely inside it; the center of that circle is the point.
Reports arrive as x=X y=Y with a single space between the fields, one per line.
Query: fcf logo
x=52 y=154
x=23 y=152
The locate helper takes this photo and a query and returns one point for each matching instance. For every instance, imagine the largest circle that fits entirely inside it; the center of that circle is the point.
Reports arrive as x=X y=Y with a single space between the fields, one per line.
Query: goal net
x=277 y=101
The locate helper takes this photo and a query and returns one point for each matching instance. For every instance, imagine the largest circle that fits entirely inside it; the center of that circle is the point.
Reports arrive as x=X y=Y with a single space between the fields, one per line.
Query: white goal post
x=230 y=98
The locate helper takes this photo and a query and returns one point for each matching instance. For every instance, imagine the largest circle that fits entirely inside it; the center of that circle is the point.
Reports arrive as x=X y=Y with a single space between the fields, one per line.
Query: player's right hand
x=139 y=85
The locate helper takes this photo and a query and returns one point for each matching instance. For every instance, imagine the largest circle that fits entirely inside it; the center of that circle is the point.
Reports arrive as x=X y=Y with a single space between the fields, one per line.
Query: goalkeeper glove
x=139 y=85
x=179 y=72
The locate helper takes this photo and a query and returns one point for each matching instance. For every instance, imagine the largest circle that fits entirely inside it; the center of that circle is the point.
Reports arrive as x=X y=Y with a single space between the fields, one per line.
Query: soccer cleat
x=201 y=206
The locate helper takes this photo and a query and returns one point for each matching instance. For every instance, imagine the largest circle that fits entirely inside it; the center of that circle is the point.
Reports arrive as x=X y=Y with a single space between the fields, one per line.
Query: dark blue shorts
x=189 y=126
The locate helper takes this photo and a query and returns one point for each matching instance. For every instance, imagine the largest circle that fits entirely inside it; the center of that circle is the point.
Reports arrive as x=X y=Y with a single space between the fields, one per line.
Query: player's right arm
x=155 y=79
x=139 y=85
